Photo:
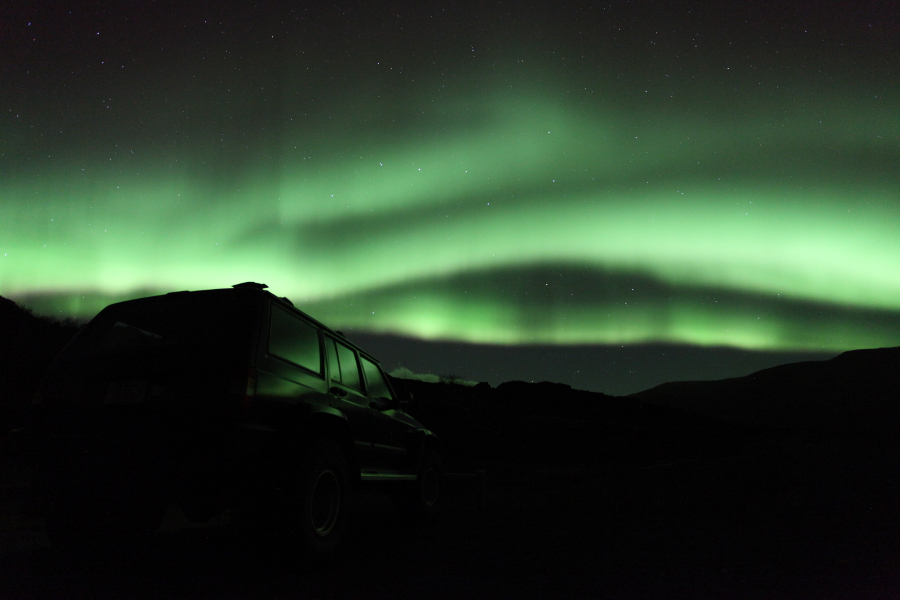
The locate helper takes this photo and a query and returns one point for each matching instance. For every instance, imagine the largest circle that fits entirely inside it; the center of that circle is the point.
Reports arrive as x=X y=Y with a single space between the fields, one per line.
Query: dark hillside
x=27 y=345
x=519 y=422
x=859 y=389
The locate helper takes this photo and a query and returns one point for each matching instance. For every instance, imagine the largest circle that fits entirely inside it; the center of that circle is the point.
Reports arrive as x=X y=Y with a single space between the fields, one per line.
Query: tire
x=318 y=506
x=423 y=499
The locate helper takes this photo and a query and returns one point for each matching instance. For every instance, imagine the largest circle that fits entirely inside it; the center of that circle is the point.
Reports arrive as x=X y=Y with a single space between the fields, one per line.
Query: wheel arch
x=330 y=425
x=429 y=443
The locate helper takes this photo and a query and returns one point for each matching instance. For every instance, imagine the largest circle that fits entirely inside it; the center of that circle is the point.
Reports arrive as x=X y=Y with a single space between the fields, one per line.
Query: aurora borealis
x=488 y=177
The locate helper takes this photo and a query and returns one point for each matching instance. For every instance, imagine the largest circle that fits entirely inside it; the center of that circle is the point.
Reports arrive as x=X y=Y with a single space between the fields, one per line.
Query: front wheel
x=423 y=499
x=320 y=499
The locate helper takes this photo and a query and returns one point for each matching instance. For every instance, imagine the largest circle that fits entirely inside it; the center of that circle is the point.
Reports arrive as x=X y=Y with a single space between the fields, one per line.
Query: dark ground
x=793 y=515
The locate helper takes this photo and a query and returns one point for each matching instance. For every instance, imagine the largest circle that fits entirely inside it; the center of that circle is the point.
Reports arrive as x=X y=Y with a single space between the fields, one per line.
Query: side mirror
x=405 y=401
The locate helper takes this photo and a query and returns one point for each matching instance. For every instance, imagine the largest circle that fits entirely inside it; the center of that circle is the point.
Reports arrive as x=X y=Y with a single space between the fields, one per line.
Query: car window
x=295 y=340
x=376 y=386
x=347 y=371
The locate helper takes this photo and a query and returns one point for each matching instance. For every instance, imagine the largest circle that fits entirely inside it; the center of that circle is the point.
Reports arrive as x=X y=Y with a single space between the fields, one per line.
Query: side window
x=294 y=340
x=375 y=384
x=349 y=369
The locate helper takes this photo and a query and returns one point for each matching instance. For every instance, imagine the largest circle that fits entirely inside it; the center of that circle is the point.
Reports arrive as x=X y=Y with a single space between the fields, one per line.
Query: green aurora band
x=499 y=218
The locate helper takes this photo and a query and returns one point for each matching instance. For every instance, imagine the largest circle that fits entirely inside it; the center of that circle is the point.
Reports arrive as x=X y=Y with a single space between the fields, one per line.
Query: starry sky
x=607 y=194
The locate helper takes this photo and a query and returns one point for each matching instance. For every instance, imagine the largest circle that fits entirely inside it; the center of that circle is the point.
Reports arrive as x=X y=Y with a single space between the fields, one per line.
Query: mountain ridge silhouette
x=858 y=389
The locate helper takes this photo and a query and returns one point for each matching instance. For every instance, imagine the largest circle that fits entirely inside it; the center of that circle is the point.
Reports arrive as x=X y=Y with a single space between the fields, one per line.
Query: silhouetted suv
x=215 y=400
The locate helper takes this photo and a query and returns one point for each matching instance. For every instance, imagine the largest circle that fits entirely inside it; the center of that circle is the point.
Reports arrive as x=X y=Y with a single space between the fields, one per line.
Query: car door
x=346 y=394
x=391 y=434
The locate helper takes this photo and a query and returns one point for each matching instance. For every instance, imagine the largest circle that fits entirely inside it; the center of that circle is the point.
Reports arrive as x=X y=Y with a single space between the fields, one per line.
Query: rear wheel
x=319 y=503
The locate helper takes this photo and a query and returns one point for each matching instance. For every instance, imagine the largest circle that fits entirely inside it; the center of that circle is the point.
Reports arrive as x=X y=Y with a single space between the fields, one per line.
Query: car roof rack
x=251 y=284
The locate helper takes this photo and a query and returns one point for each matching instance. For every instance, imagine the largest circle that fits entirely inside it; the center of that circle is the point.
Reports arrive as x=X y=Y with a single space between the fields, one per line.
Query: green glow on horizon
x=577 y=306
x=368 y=235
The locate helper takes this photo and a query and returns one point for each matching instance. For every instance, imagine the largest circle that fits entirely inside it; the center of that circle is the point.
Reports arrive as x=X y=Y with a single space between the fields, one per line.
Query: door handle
x=336 y=391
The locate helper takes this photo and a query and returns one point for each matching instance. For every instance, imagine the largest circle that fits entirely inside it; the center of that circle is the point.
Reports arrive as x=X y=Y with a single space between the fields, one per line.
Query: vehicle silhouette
x=222 y=400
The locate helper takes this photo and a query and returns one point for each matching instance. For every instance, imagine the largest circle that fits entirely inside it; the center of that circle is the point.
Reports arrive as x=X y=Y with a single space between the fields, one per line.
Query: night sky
x=608 y=194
